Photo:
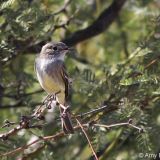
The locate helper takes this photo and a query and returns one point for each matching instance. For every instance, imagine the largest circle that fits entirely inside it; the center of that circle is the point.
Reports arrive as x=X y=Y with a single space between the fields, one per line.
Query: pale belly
x=50 y=85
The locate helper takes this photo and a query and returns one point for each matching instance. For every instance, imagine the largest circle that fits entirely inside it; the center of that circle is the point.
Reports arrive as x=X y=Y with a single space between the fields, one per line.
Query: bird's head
x=55 y=50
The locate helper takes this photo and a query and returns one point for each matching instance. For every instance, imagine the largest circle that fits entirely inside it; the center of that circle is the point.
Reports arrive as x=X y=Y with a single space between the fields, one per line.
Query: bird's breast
x=49 y=76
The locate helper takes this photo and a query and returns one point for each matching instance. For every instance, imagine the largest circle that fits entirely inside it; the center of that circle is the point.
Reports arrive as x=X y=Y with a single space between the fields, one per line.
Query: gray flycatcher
x=52 y=76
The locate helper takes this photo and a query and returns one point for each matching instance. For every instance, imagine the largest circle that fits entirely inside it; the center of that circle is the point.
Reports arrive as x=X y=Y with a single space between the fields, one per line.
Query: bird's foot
x=65 y=109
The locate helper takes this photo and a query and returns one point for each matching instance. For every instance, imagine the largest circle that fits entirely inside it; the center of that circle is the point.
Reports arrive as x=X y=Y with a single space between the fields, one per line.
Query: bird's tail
x=65 y=114
x=66 y=121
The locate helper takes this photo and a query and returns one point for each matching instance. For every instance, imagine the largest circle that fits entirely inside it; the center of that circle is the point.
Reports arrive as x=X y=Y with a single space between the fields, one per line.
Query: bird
x=53 y=78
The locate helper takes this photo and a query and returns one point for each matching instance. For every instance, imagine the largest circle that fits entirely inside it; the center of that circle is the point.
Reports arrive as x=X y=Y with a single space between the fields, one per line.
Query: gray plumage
x=52 y=76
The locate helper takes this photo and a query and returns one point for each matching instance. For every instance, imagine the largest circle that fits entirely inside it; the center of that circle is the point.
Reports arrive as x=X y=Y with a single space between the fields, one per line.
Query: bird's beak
x=67 y=48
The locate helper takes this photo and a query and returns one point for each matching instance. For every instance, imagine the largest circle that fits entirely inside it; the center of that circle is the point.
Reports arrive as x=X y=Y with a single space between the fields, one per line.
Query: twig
x=92 y=111
x=63 y=8
x=87 y=137
x=152 y=62
x=12 y=132
x=7 y=123
x=129 y=123
x=23 y=124
x=62 y=25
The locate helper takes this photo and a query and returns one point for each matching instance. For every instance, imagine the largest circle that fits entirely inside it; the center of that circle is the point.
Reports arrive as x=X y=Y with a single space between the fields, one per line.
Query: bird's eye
x=55 y=48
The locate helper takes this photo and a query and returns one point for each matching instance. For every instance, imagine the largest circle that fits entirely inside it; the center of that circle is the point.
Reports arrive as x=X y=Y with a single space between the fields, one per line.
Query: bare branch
x=87 y=137
x=97 y=110
x=129 y=123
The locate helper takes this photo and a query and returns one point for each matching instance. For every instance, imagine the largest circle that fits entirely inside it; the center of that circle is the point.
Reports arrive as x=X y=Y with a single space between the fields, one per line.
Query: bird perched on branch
x=52 y=76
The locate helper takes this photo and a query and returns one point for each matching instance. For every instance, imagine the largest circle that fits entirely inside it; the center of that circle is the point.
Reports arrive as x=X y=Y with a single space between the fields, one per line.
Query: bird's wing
x=36 y=66
x=66 y=80
x=37 y=69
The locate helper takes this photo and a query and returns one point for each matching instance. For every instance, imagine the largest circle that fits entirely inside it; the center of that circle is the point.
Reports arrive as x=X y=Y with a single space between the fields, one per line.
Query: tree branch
x=98 y=26
x=62 y=134
x=87 y=137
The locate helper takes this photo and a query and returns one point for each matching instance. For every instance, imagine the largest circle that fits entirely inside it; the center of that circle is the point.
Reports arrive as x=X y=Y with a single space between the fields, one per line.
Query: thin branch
x=152 y=62
x=61 y=25
x=24 y=124
x=7 y=123
x=63 y=8
x=129 y=123
x=97 y=110
x=87 y=137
